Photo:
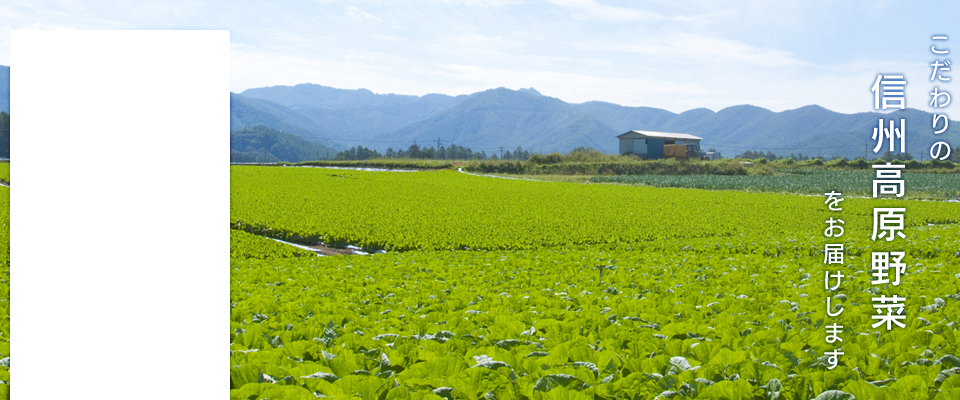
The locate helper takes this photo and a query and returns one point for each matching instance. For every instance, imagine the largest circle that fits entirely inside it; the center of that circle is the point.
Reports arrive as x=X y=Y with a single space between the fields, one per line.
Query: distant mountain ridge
x=490 y=119
x=5 y=88
x=354 y=116
x=507 y=118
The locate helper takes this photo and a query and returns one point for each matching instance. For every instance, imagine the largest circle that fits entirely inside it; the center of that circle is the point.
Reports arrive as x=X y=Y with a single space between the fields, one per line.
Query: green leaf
x=549 y=382
x=244 y=374
x=270 y=391
x=475 y=382
x=287 y=393
x=730 y=390
x=951 y=360
x=681 y=363
x=487 y=362
x=772 y=389
x=434 y=372
x=951 y=382
x=835 y=395
x=588 y=365
x=509 y=343
x=368 y=387
x=322 y=375
x=948 y=394
x=862 y=390
x=910 y=387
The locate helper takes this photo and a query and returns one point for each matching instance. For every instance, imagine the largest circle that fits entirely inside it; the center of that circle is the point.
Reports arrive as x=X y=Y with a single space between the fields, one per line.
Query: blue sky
x=676 y=55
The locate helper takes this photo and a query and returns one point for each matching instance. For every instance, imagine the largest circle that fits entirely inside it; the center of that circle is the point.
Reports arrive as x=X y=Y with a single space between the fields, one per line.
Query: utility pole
x=501 y=152
x=865 y=147
x=438 y=147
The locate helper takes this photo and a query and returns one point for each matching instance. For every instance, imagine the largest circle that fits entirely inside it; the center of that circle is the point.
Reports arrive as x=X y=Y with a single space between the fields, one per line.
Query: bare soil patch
x=329 y=251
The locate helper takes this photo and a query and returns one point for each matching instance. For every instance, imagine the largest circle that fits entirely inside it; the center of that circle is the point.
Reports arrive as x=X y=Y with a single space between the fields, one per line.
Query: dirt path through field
x=324 y=250
x=495 y=176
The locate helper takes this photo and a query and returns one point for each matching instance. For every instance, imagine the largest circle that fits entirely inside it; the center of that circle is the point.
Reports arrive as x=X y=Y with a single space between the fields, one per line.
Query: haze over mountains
x=339 y=119
x=5 y=88
x=502 y=117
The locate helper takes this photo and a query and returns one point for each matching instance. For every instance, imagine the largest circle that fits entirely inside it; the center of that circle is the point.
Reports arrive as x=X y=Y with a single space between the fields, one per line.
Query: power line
x=394 y=141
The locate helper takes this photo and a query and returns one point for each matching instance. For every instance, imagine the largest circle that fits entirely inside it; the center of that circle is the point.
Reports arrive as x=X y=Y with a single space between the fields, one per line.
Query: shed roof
x=662 y=135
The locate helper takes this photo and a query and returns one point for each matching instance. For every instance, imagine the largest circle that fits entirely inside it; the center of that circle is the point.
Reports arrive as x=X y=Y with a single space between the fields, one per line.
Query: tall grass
x=624 y=166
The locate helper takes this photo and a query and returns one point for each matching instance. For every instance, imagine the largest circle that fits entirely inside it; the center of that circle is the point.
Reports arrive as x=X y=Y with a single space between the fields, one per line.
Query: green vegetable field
x=4 y=292
x=506 y=289
x=441 y=210
x=245 y=245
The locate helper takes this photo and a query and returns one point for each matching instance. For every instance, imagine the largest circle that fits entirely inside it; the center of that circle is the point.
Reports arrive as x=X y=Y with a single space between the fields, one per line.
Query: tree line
x=4 y=134
x=452 y=152
x=455 y=152
x=263 y=144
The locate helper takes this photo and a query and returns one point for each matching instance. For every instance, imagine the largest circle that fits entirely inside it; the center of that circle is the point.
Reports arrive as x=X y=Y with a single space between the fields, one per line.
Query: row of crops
x=536 y=290
x=711 y=318
x=448 y=210
x=850 y=183
x=5 y=291
x=245 y=245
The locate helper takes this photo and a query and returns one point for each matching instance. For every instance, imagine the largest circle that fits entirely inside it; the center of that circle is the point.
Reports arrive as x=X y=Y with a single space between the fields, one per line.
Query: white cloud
x=252 y=67
x=591 y=9
x=8 y=13
x=668 y=54
x=698 y=49
x=486 y=46
x=574 y=87
x=40 y=26
x=480 y=3
x=156 y=10
x=359 y=15
x=467 y=3
x=731 y=49
x=390 y=38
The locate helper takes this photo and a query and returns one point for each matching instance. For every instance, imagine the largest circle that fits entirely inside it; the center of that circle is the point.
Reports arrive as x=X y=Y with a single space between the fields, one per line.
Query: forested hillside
x=263 y=144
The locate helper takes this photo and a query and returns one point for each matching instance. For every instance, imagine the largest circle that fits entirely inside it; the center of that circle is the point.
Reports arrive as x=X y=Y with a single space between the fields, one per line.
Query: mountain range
x=339 y=119
x=5 y=89
x=506 y=118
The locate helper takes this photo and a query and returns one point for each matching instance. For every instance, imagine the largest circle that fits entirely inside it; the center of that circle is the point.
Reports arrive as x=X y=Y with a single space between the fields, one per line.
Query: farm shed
x=654 y=145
